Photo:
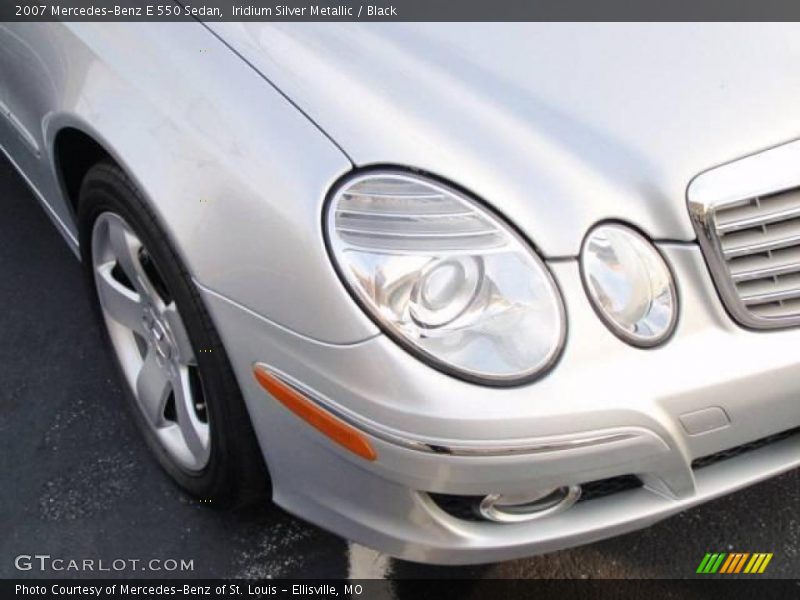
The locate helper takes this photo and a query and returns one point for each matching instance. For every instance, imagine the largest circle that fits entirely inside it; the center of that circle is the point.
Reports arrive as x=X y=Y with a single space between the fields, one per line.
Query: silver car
x=466 y=292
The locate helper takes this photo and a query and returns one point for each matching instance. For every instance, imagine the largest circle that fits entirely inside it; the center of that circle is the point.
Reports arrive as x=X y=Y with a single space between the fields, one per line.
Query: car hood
x=558 y=126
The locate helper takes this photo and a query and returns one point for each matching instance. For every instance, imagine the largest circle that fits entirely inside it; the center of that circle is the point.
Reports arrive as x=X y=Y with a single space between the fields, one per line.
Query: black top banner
x=400 y=10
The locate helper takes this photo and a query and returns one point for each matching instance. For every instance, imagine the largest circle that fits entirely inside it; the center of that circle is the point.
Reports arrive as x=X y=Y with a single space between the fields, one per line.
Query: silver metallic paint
x=604 y=384
x=506 y=448
x=557 y=126
x=212 y=159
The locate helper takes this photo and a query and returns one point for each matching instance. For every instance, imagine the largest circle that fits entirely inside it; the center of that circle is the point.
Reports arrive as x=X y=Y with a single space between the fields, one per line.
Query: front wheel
x=179 y=381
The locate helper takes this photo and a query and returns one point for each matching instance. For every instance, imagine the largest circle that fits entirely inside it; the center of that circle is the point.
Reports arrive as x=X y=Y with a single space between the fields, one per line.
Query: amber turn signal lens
x=321 y=420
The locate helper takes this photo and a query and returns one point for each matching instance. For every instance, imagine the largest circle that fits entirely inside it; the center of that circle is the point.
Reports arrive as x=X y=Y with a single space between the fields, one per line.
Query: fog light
x=515 y=508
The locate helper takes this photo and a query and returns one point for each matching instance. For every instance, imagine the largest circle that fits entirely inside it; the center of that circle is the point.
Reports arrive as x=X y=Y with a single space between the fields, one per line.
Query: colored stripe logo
x=734 y=563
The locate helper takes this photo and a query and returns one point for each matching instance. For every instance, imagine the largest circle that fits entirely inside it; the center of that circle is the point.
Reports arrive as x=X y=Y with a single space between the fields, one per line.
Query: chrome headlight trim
x=660 y=261
x=335 y=247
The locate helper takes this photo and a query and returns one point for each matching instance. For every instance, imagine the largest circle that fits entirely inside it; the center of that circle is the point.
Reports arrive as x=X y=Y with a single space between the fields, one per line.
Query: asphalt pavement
x=76 y=481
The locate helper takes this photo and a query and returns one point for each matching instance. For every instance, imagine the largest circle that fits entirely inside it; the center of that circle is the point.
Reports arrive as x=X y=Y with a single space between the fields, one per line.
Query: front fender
x=235 y=173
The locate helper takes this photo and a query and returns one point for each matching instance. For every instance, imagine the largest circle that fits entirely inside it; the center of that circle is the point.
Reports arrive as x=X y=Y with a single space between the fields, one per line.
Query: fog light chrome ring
x=498 y=508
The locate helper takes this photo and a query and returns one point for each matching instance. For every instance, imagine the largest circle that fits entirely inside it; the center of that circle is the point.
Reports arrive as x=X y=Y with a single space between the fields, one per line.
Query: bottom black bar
x=417 y=589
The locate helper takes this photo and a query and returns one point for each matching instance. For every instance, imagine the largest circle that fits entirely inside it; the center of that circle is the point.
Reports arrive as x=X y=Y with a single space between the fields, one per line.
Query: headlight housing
x=445 y=277
x=629 y=284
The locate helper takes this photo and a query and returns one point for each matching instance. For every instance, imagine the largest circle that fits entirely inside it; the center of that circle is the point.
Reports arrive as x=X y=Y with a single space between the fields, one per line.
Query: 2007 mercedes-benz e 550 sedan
x=464 y=292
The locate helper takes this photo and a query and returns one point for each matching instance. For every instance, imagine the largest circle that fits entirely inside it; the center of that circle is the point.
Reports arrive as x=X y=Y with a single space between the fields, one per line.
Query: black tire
x=235 y=473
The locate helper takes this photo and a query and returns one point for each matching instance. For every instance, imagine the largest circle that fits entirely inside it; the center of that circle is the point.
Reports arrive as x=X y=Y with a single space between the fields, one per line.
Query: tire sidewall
x=107 y=189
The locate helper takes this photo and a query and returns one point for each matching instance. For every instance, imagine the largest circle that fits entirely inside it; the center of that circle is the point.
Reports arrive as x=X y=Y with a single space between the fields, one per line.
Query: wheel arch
x=74 y=153
x=75 y=147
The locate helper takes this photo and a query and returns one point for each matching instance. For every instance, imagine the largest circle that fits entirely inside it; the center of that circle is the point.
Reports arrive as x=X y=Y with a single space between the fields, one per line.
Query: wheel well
x=75 y=153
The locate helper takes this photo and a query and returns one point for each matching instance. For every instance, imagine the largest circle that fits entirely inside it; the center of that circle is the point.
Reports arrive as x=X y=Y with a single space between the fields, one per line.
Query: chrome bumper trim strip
x=505 y=448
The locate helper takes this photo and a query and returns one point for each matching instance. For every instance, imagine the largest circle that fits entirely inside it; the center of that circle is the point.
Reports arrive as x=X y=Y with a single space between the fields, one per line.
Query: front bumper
x=646 y=410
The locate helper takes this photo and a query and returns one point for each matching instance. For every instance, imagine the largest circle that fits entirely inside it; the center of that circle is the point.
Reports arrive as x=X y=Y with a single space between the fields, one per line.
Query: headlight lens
x=445 y=277
x=629 y=284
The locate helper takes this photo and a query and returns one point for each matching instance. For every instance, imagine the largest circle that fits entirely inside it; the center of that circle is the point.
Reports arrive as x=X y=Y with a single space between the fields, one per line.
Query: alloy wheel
x=151 y=342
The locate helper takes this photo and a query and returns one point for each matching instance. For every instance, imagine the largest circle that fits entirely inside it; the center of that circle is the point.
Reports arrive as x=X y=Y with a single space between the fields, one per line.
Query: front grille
x=757 y=241
x=706 y=461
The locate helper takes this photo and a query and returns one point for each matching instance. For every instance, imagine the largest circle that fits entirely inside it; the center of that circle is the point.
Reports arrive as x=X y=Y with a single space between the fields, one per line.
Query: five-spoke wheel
x=151 y=342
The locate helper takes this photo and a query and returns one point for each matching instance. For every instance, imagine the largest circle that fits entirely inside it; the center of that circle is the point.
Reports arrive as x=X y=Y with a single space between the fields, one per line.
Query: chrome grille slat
x=769 y=285
x=761 y=239
x=758 y=242
x=759 y=220
x=760 y=211
x=769 y=297
x=775 y=310
x=760 y=266
x=765 y=273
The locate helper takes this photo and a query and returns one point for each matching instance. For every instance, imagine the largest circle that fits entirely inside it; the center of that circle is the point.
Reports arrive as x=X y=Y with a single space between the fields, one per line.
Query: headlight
x=629 y=284
x=445 y=277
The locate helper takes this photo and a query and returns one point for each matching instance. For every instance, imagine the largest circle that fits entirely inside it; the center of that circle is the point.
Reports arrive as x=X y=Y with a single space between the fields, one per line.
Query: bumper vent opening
x=460 y=507
x=711 y=459
x=607 y=487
